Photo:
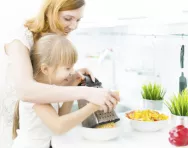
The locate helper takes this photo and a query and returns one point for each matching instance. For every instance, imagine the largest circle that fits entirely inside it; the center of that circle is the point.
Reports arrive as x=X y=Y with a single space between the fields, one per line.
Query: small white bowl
x=101 y=134
x=148 y=126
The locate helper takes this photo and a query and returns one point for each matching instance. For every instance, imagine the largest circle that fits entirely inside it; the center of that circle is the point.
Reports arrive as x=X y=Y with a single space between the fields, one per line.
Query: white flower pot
x=153 y=104
x=179 y=120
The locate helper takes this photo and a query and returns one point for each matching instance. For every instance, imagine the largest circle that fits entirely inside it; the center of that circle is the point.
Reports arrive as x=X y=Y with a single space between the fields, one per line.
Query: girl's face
x=71 y=18
x=61 y=76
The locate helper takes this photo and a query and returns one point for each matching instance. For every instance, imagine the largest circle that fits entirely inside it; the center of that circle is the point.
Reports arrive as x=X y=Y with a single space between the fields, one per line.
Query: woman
x=60 y=17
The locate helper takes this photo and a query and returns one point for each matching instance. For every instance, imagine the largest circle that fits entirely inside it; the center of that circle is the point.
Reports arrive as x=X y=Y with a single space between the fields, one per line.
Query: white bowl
x=148 y=126
x=101 y=134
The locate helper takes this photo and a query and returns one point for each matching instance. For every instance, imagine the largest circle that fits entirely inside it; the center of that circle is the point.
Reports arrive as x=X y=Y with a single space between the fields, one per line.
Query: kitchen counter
x=128 y=139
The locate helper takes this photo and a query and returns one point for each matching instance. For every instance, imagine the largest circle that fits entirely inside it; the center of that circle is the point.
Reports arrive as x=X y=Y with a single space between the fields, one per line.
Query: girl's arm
x=65 y=108
x=73 y=80
x=35 y=92
x=62 y=124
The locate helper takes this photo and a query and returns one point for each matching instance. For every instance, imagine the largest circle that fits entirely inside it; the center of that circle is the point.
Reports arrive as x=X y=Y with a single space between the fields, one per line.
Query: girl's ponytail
x=15 y=121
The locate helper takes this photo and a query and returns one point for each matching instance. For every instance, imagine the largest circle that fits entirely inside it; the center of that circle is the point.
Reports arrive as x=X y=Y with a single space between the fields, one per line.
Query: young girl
x=53 y=58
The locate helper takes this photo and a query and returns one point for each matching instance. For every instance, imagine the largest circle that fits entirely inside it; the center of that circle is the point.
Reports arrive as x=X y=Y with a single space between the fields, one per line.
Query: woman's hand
x=106 y=99
x=85 y=71
x=100 y=96
x=94 y=107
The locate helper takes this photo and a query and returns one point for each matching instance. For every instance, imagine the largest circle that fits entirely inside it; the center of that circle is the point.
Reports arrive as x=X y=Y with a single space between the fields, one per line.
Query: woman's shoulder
x=23 y=34
x=26 y=32
x=26 y=36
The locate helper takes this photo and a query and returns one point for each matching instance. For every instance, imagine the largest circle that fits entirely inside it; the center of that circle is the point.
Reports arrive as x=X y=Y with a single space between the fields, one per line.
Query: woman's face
x=70 y=19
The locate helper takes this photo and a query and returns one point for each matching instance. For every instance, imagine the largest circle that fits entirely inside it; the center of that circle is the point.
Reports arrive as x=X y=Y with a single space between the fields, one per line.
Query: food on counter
x=146 y=115
x=179 y=136
x=107 y=125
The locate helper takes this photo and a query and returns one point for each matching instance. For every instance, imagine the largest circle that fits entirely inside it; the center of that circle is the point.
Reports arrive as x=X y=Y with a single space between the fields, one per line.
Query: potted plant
x=153 y=96
x=178 y=106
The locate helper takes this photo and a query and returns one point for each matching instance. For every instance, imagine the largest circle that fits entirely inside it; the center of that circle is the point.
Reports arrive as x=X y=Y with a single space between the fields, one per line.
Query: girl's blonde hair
x=53 y=50
x=48 y=20
x=16 y=124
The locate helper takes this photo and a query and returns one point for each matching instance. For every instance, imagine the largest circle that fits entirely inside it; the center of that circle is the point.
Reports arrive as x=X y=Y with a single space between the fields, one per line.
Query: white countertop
x=128 y=139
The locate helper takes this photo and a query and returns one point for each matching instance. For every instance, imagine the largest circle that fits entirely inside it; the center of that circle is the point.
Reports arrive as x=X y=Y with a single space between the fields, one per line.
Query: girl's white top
x=32 y=133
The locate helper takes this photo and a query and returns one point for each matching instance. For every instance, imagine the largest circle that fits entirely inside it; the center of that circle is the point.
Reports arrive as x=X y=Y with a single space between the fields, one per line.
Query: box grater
x=99 y=117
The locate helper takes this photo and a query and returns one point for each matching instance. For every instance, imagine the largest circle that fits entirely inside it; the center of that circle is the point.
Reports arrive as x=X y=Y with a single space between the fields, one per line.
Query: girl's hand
x=85 y=71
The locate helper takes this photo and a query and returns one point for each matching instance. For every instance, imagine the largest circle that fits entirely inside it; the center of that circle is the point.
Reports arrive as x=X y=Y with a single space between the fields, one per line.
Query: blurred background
x=125 y=43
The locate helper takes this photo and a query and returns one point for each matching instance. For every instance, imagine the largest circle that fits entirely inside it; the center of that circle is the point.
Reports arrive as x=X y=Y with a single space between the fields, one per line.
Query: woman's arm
x=27 y=87
x=62 y=124
x=65 y=108
x=35 y=92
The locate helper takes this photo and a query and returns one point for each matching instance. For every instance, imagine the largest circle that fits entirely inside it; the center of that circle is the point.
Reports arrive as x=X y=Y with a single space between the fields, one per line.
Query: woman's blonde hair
x=48 y=17
x=53 y=50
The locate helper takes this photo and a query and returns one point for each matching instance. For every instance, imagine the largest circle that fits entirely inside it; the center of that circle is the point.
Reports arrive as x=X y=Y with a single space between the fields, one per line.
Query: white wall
x=157 y=55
